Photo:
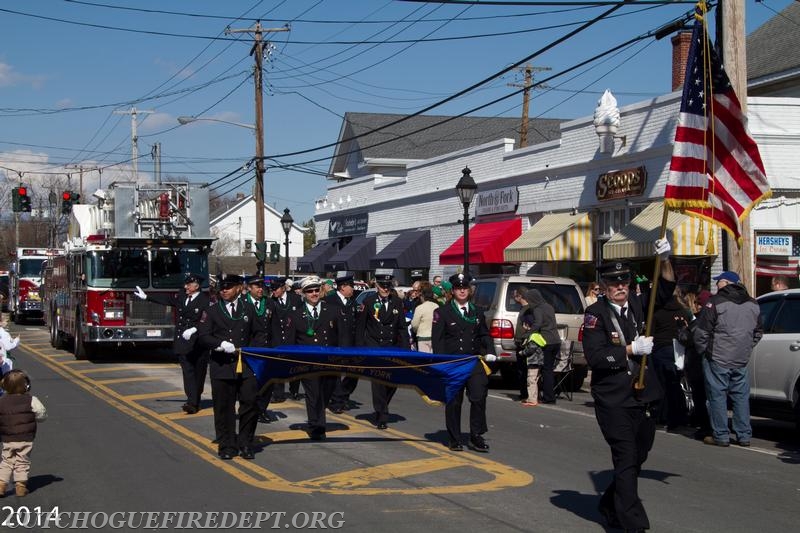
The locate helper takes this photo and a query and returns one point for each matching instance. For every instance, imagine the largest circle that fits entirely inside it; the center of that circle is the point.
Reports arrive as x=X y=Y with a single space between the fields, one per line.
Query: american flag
x=716 y=171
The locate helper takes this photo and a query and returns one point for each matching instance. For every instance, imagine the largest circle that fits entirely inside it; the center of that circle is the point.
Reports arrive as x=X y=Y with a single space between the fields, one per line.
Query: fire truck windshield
x=117 y=269
x=127 y=268
x=30 y=268
x=169 y=267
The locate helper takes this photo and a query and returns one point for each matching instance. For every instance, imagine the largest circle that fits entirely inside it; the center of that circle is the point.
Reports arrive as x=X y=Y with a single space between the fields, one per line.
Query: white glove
x=662 y=249
x=642 y=345
x=490 y=358
x=140 y=293
x=228 y=347
x=188 y=333
x=14 y=343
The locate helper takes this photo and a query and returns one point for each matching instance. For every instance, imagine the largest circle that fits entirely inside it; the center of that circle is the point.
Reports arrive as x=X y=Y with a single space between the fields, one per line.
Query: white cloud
x=9 y=77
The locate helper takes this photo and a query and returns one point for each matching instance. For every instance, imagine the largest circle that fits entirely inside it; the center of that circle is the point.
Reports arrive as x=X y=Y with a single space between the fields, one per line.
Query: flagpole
x=651 y=304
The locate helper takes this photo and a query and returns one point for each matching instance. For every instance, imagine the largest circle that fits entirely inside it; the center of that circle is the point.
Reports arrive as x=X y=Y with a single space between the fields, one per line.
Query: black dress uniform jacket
x=349 y=313
x=188 y=316
x=282 y=311
x=241 y=329
x=613 y=373
x=452 y=334
x=389 y=329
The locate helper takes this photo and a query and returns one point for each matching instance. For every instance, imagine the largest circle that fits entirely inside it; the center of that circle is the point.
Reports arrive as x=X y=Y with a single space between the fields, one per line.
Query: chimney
x=680 y=55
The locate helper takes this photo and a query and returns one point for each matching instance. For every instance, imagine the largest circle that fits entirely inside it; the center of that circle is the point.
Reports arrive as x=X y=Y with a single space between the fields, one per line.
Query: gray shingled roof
x=775 y=46
x=459 y=133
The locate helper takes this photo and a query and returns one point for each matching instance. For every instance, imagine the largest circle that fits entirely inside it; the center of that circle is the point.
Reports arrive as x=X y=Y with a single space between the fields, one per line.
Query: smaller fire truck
x=25 y=277
x=146 y=235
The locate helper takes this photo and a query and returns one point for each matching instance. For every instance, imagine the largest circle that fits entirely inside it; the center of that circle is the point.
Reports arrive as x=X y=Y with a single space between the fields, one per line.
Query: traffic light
x=274 y=252
x=261 y=252
x=68 y=198
x=66 y=203
x=24 y=199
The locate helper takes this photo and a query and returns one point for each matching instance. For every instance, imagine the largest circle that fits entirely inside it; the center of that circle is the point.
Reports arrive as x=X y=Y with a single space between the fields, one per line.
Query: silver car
x=774 y=368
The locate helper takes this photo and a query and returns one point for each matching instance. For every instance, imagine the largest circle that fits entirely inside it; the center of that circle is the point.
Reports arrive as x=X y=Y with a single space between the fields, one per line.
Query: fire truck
x=146 y=235
x=24 y=278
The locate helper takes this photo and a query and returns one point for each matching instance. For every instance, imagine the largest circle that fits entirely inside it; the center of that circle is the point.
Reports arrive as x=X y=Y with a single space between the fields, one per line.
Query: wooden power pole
x=527 y=85
x=258 y=55
x=734 y=58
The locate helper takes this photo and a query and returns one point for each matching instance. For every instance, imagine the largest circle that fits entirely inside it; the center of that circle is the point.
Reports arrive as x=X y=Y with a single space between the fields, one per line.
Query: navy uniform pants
x=630 y=432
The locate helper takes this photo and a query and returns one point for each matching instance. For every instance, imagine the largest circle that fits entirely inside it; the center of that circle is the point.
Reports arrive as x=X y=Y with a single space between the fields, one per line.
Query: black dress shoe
x=189 y=409
x=317 y=434
x=476 y=443
x=227 y=455
x=337 y=410
x=246 y=452
x=382 y=425
x=455 y=446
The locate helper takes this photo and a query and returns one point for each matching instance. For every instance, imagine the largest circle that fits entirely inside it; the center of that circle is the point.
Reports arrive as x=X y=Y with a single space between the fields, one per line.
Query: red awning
x=487 y=241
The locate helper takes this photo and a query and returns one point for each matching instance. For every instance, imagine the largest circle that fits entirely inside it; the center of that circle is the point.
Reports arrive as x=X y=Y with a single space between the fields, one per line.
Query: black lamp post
x=286 y=222
x=466 y=188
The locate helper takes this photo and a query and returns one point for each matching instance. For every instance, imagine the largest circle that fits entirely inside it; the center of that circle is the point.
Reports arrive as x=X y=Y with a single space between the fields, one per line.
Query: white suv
x=494 y=294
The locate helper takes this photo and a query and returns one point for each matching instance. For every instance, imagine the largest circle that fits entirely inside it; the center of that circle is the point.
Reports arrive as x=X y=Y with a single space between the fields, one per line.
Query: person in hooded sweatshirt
x=544 y=322
x=727 y=331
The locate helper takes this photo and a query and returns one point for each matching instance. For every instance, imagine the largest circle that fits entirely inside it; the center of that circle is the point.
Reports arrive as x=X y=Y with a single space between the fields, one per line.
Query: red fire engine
x=25 y=277
x=148 y=235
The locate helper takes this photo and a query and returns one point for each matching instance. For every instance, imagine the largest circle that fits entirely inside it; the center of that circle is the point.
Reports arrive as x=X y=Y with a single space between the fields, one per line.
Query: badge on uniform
x=615 y=338
x=589 y=321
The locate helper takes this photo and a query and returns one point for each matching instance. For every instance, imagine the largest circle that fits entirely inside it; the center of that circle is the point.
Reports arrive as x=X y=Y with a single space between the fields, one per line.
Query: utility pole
x=527 y=85
x=81 y=169
x=735 y=60
x=155 y=153
x=257 y=51
x=133 y=112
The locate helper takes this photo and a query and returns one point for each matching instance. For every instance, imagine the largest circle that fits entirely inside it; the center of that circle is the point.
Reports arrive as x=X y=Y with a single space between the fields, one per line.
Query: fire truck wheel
x=80 y=350
x=56 y=339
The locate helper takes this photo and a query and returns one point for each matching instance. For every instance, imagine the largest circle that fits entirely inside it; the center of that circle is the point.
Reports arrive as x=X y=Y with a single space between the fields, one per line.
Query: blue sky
x=70 y=70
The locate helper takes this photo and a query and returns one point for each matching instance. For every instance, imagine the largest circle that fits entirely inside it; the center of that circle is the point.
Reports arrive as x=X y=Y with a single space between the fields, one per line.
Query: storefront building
x=558 y=207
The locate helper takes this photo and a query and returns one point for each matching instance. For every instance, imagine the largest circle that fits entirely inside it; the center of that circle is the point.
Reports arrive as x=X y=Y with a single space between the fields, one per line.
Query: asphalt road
x=116 y=442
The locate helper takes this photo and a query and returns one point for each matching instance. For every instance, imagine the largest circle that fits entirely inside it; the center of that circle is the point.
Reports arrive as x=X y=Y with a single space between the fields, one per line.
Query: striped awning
x=556 y=237
x=636 y=239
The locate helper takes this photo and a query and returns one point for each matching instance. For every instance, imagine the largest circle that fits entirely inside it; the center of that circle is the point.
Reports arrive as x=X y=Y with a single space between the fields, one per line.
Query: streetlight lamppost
x=466 y=188
x=286 y=222
x=258 y=193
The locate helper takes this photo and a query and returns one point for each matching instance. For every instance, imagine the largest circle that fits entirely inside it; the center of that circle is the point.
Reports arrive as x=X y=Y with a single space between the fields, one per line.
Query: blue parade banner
x=439 y=377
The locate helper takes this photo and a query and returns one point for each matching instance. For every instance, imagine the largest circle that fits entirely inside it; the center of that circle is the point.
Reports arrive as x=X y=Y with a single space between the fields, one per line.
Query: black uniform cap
x=460 y=280
x=193 y=278
x=277 y=283
x=344 y=280
x=230 y=280
x=384 y=279
x=615 y=271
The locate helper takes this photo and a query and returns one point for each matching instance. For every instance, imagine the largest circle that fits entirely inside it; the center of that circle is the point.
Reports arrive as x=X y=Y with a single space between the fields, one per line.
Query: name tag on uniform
x=615 y=338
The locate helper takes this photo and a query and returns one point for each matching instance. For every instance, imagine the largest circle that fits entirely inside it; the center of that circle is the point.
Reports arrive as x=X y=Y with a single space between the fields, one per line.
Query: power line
x=466 y=90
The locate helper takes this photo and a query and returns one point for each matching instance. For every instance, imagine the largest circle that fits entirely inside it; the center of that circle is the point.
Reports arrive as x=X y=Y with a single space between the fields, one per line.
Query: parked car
x=774 y=368
x=494 y=294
